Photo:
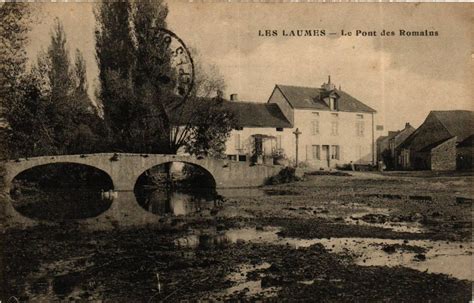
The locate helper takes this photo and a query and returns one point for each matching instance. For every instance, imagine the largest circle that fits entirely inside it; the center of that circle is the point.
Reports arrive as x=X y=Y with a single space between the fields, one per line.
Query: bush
x=286 y=175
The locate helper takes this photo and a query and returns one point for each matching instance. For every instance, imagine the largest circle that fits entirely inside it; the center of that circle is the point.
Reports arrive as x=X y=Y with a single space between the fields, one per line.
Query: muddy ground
x=322 y=239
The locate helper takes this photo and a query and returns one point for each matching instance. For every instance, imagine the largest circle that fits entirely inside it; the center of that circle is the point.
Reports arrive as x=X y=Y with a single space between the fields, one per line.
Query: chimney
x=234 y=97
x=407 y=125
x=328 y=86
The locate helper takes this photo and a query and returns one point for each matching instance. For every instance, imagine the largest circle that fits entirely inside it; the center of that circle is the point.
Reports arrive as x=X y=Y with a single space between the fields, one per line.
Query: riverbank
x=365 y=237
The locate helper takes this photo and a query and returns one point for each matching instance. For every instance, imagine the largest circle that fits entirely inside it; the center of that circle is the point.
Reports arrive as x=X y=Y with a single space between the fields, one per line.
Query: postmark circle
x=181 y=63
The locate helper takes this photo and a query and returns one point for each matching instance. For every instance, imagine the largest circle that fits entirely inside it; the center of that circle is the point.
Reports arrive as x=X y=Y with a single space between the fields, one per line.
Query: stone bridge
x=124 y=169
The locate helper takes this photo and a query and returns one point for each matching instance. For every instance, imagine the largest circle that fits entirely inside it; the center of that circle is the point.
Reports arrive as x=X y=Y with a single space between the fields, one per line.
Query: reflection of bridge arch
x=124 y=169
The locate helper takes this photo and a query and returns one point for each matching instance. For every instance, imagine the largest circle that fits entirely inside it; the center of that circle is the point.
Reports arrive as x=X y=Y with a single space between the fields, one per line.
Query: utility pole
x=297 y=133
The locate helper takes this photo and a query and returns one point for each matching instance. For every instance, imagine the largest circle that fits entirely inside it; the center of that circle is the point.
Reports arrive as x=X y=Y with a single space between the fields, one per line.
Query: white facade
x=335 y=129
x=333 y=138
x=328 y=139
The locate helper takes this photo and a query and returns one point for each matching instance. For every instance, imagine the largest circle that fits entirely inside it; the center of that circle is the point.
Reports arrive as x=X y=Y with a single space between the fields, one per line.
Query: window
x=360 y=128
x=334 y=116
x=316 y=152
x=232 y=157
x=360 y=116
x=279 y=129
x=314 y=127
x=335 y=152
x=242 y=158
x=237 y=141
x=334 y=128
x=239 y=128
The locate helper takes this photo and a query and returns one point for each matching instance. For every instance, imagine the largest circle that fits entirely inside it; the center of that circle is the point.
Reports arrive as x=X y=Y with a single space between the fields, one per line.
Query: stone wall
x=443 y=156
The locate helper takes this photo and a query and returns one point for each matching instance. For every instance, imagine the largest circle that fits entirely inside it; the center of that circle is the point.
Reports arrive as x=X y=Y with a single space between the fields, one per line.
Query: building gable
x=430 y=132
x=277 y=97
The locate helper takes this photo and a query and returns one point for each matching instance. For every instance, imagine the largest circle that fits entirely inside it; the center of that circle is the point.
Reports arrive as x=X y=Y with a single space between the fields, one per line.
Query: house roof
x=429 y=147
x=253 y=114
x=458 y=123
x=246 y=114
x=309 y=97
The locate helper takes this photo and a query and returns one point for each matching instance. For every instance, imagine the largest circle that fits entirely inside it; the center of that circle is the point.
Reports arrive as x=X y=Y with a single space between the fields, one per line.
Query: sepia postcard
x=242 y=151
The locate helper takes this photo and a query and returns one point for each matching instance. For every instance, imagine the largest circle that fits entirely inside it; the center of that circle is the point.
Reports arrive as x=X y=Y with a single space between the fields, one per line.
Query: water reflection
x=451 y=258
x=58 y=205
x=181 y=202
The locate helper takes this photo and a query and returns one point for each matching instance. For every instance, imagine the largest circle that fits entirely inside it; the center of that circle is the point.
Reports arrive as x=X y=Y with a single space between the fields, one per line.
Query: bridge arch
x=60 y=191
x=19 y=173
x=180 y=164
x=18 y=167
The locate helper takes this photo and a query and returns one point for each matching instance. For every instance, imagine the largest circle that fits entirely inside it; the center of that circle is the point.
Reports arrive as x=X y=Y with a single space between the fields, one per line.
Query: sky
x=403 y=78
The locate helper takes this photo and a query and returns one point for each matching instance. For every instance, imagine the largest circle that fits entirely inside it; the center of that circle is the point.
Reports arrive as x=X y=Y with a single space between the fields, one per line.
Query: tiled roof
x=246 y=114
x=429 y=147
x=309 y=97
x=253 y=114
x=459 y=123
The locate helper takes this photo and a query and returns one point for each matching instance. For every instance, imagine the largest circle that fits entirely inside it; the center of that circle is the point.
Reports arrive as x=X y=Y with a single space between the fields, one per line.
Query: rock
x=389 y=249
x=420 y=257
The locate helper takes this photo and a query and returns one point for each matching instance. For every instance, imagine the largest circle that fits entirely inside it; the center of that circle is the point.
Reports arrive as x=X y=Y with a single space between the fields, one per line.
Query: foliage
x=14 y=26
x=279 y=153
x=50 y=111
x=286 y=175
x=130 y=61
x=135 y=95
x=210 y=129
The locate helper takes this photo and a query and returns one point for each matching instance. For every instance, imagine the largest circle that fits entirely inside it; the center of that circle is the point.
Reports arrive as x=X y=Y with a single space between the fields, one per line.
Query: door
x=325 y=156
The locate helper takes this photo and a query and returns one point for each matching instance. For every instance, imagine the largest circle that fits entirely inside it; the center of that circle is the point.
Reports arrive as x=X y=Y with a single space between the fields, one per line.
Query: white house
x=335 y=128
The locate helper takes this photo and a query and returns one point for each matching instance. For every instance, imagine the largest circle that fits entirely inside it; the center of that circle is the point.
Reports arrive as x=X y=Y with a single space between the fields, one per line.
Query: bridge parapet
x=125 y=168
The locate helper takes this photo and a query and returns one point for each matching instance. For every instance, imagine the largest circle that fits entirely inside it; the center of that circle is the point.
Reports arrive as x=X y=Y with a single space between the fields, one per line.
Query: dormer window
x=329 y=95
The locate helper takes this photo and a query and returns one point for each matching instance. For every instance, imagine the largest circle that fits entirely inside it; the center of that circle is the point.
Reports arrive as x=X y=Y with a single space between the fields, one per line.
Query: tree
x=210 y=130
x=210 y=121
x=116 y=58
x=52 y=112
x=138 y=81
x=14 y=26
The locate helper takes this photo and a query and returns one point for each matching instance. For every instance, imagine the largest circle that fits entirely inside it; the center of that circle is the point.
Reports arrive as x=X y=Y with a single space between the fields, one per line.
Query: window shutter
x=237 y=141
